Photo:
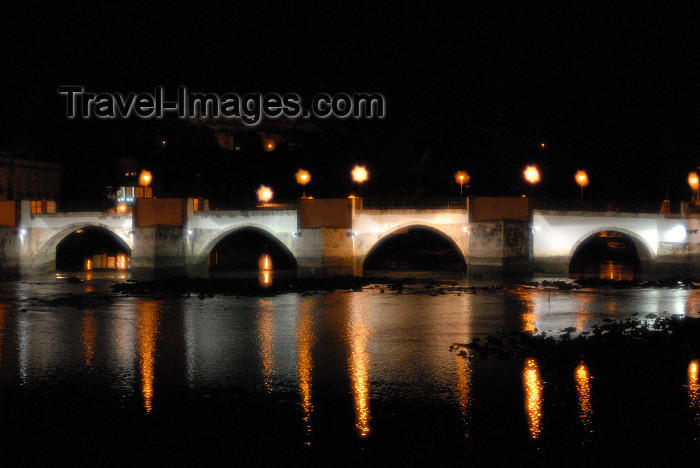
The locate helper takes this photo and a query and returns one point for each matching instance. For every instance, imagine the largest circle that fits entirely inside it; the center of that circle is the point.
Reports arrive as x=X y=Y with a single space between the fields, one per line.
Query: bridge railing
x=413 y=203
x=84 y=206
x=391 y=203
x=247 y=204
x=628 y=206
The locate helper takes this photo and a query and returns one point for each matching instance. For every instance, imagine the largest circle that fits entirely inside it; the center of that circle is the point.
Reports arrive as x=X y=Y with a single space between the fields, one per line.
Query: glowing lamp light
x=265 y=262
x=359 y=174
x=581 y=178
x=121 y=208
x=694 y=183
x=145 y=178
x=693 y=180
x=532 y=174
x=264 y=194
x=462 y=178
x=303 y=177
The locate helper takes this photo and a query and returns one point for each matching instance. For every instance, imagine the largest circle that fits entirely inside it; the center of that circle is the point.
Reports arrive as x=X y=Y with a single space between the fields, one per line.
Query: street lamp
x=359 y=175
x=303 y=177
x=462 y=178
x=145 y=178
x=264 y=194
x=581 y=179
x=694 y=183
x=532 y=175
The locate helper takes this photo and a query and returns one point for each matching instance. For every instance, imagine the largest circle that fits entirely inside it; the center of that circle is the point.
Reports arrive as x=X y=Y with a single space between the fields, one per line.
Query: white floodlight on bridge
x=677 y=234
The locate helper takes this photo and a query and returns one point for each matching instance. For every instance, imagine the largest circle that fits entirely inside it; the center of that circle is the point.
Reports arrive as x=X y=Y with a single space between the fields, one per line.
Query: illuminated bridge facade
x=487 y=236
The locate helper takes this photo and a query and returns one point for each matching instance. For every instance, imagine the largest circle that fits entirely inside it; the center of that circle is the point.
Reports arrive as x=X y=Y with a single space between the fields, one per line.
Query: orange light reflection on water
x=582 y=314
x=694 y=392
x=463 y=391
x=585 y=410
x=265 y=271
x=532 y=384
x=530 y=302
x=266 y=339
x=147 y=322
x=359 y=332
x=305 y=341
x=88 y=334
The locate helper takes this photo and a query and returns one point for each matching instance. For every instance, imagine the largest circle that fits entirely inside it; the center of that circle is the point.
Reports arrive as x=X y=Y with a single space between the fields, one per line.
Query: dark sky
x=610 y=89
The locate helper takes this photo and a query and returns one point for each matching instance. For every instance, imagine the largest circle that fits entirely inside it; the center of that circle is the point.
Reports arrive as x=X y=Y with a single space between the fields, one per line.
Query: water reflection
x=265 y=278
x=531 y=302
x=266 y=340
x=265 y=271
x=694 y=393
x=122 y=353
x=463 y=390
x=583 y=314
x=585 y=410
x=147 y=322
x=691 y=307
x=532 y=384
x=3 y=313
x=89 y=332
x=330 y=357
x=358 y=335
x=305 y=340
x=616 y=271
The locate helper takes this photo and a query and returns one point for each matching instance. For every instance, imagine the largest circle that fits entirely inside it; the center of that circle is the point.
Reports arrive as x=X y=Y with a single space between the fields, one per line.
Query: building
x=28 y=179
x=129 y=186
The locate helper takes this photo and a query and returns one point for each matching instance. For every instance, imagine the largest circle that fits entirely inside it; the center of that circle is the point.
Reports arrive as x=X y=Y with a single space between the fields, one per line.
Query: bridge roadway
x=335 y=237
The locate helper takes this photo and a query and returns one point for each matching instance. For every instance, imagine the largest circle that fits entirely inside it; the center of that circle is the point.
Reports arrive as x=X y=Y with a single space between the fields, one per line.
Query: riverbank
x=651 y=338
x=208 y=287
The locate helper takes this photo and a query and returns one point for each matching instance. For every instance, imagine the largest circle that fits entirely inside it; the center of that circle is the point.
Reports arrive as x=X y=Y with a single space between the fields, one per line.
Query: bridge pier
x=325 y=242
x=500 y=238
x=325 y=252
x=160 y=238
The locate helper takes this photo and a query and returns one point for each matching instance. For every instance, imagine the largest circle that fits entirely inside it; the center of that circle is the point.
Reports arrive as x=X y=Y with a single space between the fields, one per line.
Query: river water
x=344 y=377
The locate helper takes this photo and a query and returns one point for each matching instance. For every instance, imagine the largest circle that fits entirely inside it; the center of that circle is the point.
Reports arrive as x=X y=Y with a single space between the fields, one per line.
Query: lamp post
x=359 y=175
x=532 y=175
x=462 y=178
x=303 y=177
x=145 y=178
x=694 y=183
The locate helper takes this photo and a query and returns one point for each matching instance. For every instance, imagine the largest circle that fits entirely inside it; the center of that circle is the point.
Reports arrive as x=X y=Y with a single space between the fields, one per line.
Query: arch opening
x=609 y=255
x=415 y=248
x=92 y=248
x=251 y=249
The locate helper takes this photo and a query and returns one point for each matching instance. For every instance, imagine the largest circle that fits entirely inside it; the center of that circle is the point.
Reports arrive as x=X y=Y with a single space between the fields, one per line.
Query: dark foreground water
x=341 y=378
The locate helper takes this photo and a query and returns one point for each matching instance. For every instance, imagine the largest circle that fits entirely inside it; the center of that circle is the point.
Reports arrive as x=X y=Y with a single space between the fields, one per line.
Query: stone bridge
x=335 y=237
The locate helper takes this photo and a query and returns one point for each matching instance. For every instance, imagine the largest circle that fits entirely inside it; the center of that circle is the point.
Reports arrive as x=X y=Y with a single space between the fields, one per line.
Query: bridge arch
x=44 y=258
x=610 y=252
x=446 y=237
x=279 y=246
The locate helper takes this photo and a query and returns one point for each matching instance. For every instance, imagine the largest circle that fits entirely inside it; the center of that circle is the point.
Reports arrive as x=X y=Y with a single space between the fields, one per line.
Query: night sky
x=609 y=89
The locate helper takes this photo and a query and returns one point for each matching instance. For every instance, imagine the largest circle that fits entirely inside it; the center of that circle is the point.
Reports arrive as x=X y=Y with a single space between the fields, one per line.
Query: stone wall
x=9 y=253
x=501 y=248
